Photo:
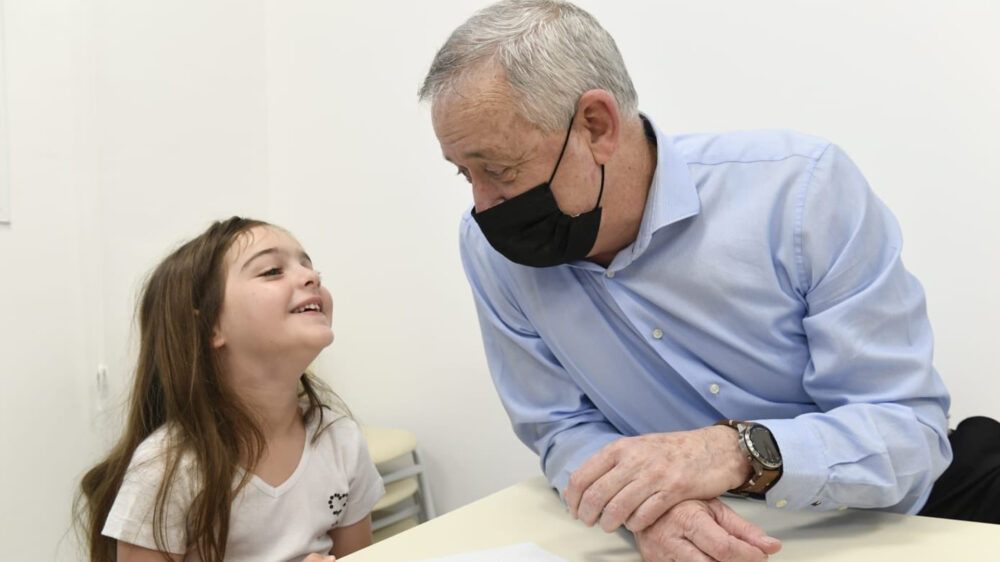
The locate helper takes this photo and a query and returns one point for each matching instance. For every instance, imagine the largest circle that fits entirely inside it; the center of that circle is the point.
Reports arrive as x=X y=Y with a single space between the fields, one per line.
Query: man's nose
x=484 y=195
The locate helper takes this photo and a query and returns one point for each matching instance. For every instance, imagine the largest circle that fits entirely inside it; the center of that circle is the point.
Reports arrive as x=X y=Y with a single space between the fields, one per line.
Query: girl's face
x=274 y=306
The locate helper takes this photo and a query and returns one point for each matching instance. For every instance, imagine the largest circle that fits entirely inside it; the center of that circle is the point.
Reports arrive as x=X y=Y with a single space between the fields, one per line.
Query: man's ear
x=598 y=111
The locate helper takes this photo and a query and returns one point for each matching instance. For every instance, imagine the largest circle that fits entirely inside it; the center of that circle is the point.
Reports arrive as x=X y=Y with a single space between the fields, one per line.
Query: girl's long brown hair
x=178 y=382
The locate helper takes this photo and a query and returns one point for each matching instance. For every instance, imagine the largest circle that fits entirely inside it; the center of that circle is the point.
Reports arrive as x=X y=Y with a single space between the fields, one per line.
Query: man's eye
x=465 y=174
x=501 y=174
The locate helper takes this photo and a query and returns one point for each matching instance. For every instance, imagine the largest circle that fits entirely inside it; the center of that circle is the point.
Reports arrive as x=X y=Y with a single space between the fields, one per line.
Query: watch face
x=763 y=446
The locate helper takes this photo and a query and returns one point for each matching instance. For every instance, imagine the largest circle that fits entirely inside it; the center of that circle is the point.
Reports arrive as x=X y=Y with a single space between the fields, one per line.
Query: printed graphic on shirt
x=337 y=502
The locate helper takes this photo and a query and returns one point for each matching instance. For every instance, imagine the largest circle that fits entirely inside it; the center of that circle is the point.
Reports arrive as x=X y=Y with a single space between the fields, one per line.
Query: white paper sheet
x=523 y=552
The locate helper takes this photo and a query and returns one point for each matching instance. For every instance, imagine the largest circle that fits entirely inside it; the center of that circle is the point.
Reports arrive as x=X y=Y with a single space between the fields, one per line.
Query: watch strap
x=761 y=478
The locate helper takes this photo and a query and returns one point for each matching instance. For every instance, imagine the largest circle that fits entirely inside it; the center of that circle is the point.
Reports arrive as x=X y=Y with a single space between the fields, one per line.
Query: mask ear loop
x=562 y=151
x=601 y=193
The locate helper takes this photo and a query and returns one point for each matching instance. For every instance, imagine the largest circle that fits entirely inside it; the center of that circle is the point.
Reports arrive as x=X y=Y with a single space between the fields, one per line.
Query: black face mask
x=530 y=229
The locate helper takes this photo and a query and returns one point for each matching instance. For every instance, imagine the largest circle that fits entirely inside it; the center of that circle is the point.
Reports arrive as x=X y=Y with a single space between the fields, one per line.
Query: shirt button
x=657 y=334
x=713 y=388
x=780 y=503
x=610 y=274
x=842 y=508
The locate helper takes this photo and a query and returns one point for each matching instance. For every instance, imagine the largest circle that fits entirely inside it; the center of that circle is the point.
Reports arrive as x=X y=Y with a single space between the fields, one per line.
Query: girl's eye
x=272 y=272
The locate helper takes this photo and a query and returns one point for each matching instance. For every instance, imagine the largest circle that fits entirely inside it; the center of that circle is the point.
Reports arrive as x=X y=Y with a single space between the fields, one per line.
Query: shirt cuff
x=805 y=468
x=579 y=455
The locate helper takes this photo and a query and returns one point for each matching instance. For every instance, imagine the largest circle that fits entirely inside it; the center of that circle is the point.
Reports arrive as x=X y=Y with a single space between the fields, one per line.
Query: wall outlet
x=103 y=388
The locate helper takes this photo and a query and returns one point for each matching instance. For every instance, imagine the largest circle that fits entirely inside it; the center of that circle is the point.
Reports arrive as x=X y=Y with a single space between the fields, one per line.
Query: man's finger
x=588 y=473
x=650 y=510
x=621 y=507
x=595 y=499
x=743 y=529
x=681 y=549
x=706 y=534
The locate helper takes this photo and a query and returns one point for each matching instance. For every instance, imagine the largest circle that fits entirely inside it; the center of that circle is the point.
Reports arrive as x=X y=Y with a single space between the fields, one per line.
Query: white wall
x=356 y=173
x=48 y=283
x=134 y=123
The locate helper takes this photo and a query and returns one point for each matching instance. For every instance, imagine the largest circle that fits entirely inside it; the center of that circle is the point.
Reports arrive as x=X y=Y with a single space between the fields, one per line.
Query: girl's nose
x=312 y=277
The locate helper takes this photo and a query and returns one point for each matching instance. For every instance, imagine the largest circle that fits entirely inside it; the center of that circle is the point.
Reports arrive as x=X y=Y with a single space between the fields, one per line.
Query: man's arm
x=548 y=411
x=880 y=439
x=553 y=416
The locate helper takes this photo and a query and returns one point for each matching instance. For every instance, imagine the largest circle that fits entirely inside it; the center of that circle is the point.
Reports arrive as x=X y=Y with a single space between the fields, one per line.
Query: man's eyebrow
x=269 y=251
x=485 y=154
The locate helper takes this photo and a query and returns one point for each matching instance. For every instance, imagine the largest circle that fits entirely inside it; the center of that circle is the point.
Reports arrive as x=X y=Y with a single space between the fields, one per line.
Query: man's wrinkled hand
x=704 y=531
x=635 y=480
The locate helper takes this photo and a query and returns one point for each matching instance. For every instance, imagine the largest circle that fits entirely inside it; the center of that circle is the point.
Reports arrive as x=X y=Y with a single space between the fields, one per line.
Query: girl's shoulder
x=158 y=456
x=337 y=432
x=155 y=446
x=326 y=420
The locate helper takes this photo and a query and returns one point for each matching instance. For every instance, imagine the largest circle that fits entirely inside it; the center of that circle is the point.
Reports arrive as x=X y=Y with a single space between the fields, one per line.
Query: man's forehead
x=484 y=146
x=490 y=129
x=459 y=108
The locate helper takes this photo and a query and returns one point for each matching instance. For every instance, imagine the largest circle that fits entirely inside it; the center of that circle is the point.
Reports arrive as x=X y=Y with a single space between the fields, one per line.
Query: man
x=670 y=318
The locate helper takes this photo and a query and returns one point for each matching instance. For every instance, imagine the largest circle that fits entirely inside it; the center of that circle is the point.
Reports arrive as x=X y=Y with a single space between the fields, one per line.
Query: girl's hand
x=319 y=558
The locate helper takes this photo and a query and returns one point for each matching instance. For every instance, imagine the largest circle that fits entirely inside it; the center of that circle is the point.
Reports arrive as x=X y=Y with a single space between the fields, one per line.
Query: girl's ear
x=218 y=340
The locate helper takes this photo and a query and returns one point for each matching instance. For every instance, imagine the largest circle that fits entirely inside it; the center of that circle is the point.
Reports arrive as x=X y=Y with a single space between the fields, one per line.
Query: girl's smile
x=271 y=287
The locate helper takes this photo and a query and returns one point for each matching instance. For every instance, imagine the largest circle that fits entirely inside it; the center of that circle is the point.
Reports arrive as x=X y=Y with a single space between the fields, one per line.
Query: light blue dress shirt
x=765 y=284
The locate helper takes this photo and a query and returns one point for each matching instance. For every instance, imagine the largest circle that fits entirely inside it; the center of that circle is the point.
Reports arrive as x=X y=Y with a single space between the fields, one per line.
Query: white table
x=531 y=512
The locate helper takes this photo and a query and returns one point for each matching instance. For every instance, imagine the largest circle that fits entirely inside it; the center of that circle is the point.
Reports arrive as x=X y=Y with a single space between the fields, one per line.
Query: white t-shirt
x=335 y=485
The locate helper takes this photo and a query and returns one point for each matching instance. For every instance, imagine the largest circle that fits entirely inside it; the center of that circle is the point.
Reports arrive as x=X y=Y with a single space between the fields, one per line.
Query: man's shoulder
x=752 y=146
x=477 y=254
x=468 y=224
x=498 y=280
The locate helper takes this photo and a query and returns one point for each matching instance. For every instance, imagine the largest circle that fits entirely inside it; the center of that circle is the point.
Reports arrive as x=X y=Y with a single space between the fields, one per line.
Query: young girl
x=229 y=450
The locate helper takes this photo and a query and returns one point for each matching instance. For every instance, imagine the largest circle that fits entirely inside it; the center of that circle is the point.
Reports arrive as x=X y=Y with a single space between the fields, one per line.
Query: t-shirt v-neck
x=335 y=485
x=289 y=483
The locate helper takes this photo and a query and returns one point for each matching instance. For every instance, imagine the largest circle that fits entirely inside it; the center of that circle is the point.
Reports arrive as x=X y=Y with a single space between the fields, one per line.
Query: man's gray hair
x=551 y=52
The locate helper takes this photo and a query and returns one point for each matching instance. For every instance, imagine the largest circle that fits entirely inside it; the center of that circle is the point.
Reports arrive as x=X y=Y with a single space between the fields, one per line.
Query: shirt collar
x=672 y=197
